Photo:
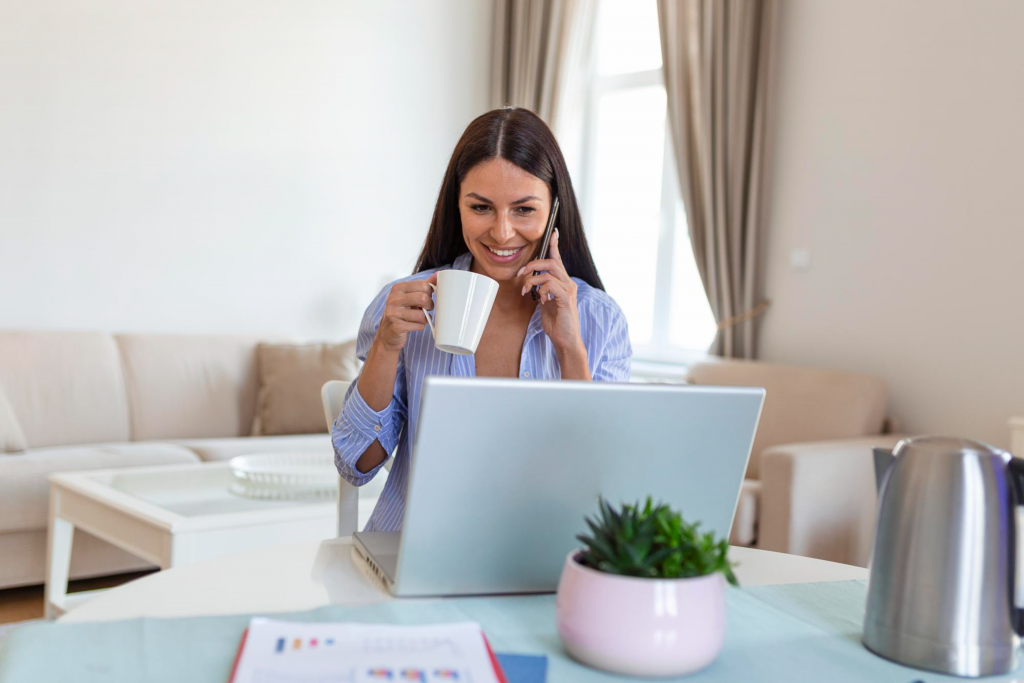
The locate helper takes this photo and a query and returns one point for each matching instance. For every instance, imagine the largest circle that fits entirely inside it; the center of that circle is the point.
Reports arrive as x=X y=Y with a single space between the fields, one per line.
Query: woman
x=490 y=219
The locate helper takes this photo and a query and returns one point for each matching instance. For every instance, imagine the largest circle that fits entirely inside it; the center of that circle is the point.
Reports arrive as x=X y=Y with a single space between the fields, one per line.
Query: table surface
x=176 y=497
x=303 y=576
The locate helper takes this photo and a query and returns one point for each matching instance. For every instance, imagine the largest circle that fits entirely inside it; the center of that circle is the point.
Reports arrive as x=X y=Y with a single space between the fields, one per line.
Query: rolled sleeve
x=359 y=425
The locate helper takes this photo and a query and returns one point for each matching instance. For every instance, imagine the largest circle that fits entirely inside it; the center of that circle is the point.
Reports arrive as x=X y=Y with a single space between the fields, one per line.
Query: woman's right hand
x=403 y=313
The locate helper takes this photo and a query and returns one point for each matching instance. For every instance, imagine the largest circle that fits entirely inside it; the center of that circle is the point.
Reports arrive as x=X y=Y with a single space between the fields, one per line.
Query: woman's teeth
x=504 y=252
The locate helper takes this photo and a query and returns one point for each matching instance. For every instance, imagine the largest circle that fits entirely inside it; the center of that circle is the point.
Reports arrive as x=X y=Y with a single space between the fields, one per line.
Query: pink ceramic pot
x=640 y=627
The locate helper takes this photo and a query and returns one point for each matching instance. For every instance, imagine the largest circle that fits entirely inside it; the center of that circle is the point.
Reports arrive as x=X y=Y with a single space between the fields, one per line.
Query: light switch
x=800 y=259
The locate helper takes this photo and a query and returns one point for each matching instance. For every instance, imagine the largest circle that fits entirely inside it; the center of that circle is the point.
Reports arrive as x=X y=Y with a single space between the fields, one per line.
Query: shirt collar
x=463 y=262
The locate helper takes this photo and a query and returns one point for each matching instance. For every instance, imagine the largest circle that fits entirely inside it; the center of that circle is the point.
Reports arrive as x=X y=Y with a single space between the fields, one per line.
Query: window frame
x=660 y=351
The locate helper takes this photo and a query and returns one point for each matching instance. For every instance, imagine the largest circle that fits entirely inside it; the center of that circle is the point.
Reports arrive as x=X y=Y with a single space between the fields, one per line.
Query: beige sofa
x=89 y=400
x=810 y=486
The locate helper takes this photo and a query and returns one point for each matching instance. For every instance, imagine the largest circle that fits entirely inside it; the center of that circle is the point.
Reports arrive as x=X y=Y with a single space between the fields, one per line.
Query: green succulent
x=652 y=542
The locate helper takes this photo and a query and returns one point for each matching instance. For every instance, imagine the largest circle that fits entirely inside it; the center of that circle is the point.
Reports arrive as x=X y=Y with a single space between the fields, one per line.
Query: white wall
x=899 y=163
x=224 y=166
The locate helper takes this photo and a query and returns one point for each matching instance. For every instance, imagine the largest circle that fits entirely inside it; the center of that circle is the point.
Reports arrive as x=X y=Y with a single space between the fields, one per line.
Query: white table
x=1017 y=436
x=170 y=516
x=304 y=576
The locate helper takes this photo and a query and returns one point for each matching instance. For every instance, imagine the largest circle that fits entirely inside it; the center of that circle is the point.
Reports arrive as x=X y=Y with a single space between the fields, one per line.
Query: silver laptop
x=504 y=471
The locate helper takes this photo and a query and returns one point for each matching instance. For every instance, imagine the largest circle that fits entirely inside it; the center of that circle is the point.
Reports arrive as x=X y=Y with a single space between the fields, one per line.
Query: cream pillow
x=12 y=439
x=290 y=377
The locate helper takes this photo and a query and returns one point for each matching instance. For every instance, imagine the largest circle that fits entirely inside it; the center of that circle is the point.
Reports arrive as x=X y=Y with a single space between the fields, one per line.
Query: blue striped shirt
x=604 y=332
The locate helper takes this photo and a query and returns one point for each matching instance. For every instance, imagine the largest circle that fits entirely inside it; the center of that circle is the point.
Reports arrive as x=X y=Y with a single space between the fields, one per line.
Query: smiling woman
x=490 y=219
x=507 y=165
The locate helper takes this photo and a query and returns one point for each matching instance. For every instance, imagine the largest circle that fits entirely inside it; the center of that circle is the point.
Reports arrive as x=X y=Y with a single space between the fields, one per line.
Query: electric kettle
x=945 y=590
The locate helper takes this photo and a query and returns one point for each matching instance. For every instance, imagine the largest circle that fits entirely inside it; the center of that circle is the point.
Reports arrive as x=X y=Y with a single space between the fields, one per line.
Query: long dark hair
x=520 y=136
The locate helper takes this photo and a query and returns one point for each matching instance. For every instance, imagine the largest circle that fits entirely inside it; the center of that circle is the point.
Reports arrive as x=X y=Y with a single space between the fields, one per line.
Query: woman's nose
x=502 y=231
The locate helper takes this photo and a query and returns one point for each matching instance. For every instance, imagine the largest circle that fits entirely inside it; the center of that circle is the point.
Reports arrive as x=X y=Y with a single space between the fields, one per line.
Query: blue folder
x=523 y=668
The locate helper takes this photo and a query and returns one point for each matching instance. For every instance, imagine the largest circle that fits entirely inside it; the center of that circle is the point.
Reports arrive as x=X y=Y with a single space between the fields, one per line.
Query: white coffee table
x=1017 y=436
x=304 y=576
x=170 y=516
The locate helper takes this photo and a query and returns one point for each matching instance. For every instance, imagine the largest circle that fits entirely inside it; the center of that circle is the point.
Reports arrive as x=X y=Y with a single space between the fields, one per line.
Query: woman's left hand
x=559 y=314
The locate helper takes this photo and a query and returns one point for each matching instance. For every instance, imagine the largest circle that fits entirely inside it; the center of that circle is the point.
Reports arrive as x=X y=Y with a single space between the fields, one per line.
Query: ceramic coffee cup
x=462 y=303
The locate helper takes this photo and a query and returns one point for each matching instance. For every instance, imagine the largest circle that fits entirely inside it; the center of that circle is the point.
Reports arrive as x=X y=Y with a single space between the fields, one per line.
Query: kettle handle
x=1016 y=469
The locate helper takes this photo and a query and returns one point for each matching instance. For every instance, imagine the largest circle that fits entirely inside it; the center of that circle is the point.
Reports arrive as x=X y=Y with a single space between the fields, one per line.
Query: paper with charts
x=292 y=652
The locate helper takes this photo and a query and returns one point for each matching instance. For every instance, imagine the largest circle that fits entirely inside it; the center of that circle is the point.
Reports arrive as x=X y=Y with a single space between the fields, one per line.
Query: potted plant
x=646 y=594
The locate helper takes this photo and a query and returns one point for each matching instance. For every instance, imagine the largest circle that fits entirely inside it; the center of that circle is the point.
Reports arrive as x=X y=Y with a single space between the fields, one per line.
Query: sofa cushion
x=65 y=387
x=12 y=439
x=290 y=377
x=744 y=524
x=801 y=404
x=25 y=492
x=225 y=449
x=183 y=386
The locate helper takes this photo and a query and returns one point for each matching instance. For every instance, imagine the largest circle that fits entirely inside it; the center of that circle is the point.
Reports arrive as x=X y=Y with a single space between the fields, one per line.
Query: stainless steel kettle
x=945 y=590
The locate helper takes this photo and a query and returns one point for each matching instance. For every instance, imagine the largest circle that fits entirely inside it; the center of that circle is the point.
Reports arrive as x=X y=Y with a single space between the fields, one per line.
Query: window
x=630 y=194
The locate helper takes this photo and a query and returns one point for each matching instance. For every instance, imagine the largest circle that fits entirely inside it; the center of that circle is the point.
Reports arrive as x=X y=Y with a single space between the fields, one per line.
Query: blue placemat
x=774 y=634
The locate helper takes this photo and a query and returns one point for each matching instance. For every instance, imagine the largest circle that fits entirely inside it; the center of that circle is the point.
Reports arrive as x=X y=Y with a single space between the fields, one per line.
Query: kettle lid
x=945 y=444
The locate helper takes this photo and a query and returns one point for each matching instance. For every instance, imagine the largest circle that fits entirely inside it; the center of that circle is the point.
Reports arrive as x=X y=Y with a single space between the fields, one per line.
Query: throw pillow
x=12 y=439
x=290 y=377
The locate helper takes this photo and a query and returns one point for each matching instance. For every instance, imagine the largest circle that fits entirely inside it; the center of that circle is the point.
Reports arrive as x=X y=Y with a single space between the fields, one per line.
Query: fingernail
x=521 y=270
x=524 y=290
x=556 y=233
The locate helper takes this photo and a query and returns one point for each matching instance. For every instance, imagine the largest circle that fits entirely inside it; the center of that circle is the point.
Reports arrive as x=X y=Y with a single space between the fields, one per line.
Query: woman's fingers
x=406 y=326
x=539 y=264
x=553 y=248
x=398 y=314
x=546 y=265
x=415 y=286
x=549 y=285
x=541 y=278
x=553 y=264
x=407 y=306
x=412 y=300
x=538 y=280
x=415 y=294
x=553 y=290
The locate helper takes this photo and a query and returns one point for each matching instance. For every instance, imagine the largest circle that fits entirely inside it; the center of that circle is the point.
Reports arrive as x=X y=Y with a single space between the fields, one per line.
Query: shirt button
x=376 y=428
x=526 y=374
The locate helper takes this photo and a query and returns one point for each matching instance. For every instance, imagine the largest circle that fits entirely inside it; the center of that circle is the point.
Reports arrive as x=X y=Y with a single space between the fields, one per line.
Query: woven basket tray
x=284 y=476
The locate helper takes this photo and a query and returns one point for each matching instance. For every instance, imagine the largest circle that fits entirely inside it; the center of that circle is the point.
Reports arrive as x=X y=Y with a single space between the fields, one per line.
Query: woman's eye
x=525 y=210
x=480 y=207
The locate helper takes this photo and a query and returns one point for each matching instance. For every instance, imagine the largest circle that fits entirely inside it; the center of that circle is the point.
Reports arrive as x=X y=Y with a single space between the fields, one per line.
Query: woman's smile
x=506 y=255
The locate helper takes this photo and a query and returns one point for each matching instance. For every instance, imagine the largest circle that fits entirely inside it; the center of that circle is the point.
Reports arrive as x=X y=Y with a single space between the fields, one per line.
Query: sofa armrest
x=819 y=499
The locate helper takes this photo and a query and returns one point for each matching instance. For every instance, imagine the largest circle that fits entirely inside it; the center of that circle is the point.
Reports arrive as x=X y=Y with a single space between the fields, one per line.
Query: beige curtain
x=717 y=56
x=540 y=52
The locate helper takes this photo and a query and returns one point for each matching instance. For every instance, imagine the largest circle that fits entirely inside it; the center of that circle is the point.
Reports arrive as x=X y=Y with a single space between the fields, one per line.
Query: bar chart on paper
x=274 y=651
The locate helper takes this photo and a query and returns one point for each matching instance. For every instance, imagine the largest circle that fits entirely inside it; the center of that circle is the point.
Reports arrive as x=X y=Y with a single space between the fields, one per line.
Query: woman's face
x=504 y=212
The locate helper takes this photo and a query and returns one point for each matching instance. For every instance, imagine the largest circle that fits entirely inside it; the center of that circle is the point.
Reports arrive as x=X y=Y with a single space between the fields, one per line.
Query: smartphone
x=543 y=254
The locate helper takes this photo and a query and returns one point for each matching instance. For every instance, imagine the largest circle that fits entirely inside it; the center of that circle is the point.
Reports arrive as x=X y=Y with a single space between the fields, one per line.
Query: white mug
x=461 y=306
